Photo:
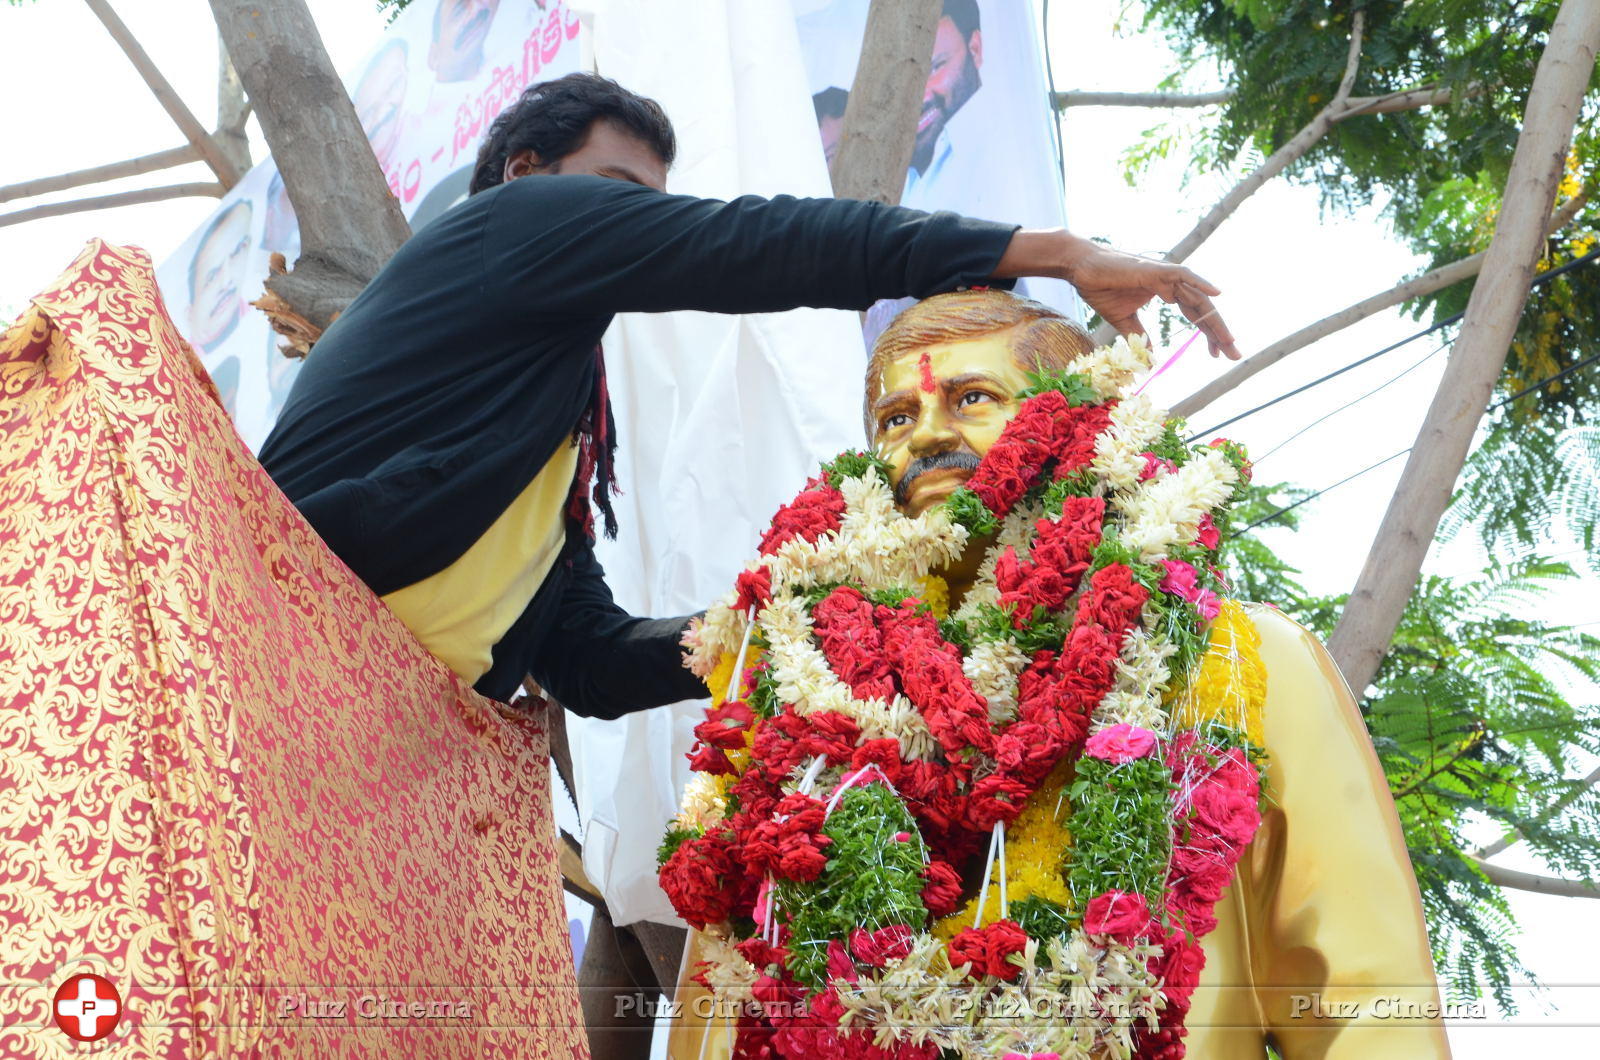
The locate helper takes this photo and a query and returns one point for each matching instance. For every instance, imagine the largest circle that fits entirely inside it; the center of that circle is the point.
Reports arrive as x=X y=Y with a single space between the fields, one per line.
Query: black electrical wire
x=1353 y=401
x=1542 y=278
x=1325 y=489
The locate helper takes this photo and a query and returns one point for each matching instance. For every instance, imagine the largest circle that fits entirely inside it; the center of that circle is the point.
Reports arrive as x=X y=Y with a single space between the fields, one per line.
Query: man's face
x=378 y=99
x=459 y=30
x=830 y=127
x=608 y=151
x=952 y=79
x=942 y=407
x=217 y=304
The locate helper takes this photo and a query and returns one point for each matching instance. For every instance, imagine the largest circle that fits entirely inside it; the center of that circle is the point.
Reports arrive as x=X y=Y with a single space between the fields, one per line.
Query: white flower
x=1167 y=510
x=1112 y=369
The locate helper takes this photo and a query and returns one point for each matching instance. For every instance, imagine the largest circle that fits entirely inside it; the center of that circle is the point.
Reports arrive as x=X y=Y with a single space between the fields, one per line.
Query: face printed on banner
x=943 y=383
x=830 y=104
x=379 y=97
x=952 y=77
x=459 y=29
x=282 y=228
x=217 y=276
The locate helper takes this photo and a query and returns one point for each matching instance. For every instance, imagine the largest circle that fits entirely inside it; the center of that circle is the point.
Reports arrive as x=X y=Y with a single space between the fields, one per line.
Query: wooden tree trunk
x=880 y=121
x=1368 y=623
x=350 y=224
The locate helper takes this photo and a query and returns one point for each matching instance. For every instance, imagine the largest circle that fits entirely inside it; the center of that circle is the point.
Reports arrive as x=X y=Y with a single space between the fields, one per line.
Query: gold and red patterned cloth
x=231 y=781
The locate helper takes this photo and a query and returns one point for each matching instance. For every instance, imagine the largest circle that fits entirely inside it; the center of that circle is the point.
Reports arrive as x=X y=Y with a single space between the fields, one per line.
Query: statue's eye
x=896 y=421
x=972 y=397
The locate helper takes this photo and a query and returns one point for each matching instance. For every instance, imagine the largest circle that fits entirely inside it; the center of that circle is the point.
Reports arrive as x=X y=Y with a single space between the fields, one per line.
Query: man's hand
x=1117 y=285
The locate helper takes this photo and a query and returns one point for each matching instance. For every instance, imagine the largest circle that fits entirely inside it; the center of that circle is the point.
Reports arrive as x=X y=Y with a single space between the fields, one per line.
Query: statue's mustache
x=964 y=459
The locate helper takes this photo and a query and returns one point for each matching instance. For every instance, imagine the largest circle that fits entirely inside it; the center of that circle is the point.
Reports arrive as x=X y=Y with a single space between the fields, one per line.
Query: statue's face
x=942 y=408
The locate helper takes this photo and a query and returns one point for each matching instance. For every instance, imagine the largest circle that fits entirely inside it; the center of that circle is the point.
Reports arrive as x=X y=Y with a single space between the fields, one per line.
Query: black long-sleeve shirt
x=452 y=379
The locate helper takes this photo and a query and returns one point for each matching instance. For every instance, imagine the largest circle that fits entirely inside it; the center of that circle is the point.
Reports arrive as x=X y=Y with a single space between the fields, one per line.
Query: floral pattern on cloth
x=234 y=784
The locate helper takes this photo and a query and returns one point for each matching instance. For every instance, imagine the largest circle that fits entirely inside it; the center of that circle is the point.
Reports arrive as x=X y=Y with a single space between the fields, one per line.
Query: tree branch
x=131 y=167
x=1368 y=622
x=1429 y=282
x=1528 y=881
x=107 y=202
x=1063 y=100
x=350 y=223
x=165 y=95
x=1280 y=159
x=1548 y=813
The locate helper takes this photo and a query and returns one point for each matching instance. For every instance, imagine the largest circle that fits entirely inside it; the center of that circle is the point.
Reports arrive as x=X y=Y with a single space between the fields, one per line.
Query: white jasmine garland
x=805 y=680
x=1136 y=425
x=1167 y=510
x=1112 y=369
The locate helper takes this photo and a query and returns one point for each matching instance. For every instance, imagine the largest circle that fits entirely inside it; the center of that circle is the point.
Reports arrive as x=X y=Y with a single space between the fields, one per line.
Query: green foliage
x=1041 y=918
x=1074 y=387
x=854 y=465
x=871 y=880
x=968 y=511
x=674 y=839
x=393 y=7
x=1123 y=841
x=1471 y=721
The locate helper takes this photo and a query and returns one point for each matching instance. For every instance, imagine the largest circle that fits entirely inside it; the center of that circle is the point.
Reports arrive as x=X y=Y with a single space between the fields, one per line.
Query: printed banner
x=425 y=96
x=985 y=145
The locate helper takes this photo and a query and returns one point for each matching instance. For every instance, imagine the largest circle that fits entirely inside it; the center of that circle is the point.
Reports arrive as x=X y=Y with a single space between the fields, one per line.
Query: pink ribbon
x=1170 y=361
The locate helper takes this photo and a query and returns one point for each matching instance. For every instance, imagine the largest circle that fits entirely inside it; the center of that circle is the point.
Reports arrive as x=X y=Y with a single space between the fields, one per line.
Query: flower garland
x=1086 y=724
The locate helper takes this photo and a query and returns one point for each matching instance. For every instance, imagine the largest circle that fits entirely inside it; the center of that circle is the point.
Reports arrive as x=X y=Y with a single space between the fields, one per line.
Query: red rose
x=1200 y=870
x=879 y=947
x=840 y=964
x=754 y=589
x=1119 y=914
x=725 y=726
x=1228 y=813
x=848 y=633
x=814 y=512
x=943 y=890
x=701 y=880
x=1208 y=535
x=762 y=954
x=996 y=797
x=987 y=948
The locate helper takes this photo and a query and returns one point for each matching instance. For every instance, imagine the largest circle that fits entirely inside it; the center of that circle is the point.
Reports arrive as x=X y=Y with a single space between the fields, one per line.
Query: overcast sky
x=71 y=100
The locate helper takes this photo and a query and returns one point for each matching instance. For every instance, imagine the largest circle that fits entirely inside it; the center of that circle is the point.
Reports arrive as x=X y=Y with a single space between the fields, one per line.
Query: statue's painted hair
x=1046 y=340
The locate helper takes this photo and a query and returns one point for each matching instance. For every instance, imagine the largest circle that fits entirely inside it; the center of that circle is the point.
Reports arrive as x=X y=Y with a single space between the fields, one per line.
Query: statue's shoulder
x=1304 y=686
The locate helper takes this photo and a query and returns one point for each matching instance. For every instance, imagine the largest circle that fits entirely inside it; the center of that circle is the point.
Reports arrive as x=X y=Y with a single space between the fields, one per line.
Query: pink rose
x=1120 y=743
x=1208 y=534
x=1208 y=603
x=1155 y=465
x=1179 y=579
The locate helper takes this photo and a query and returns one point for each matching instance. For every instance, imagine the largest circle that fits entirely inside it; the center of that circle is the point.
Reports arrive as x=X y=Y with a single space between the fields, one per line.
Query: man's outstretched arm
x=569 y=245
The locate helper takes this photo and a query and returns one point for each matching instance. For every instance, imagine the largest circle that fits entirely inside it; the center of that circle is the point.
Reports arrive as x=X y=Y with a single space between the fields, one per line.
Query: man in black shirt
x=443 y=435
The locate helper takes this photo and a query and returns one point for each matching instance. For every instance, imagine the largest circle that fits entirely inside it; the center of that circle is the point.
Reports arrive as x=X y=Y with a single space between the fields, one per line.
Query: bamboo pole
x=131 y=167
x=107 y=202
x=169 y=99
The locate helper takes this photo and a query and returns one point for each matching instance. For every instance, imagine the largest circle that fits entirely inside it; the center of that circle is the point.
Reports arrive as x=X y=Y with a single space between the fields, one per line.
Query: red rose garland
x=881 y=652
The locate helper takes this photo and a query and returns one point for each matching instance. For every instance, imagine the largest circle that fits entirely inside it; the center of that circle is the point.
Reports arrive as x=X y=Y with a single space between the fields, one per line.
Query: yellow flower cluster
x=1037 y=843
x=935 y=592
x=1230 y=684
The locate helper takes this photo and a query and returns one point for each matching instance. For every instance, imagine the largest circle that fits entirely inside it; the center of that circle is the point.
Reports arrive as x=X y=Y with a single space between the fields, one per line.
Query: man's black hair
x=552 y=119
x=830 y=103
x=964 y=13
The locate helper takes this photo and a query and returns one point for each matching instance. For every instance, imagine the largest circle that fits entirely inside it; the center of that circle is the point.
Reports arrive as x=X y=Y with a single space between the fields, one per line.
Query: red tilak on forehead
x=926 y=365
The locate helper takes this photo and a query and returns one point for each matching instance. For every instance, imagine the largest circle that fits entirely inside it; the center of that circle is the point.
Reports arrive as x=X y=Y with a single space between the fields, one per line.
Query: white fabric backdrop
x=722 y=418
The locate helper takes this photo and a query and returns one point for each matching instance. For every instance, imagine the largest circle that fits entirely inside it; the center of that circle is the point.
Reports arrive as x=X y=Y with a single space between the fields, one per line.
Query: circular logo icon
x=87 y=1007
